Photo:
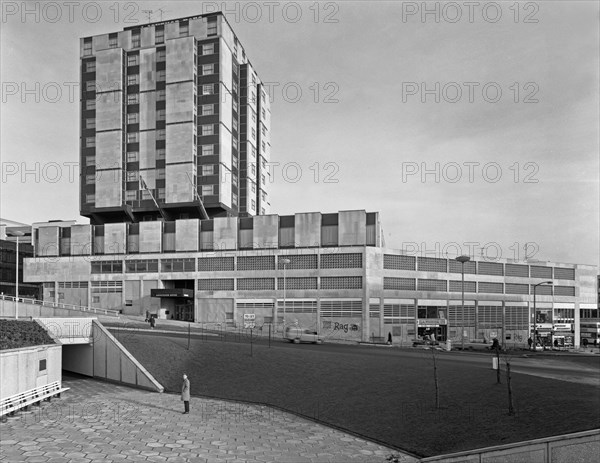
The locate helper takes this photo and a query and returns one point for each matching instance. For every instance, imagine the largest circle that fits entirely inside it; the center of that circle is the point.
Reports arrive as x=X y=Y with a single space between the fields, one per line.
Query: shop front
x=432 y=329
x=544 y=335
x=562 y=335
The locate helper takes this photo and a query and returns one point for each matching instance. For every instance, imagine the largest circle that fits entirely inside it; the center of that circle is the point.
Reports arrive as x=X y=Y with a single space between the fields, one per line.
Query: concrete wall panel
x=265 y=232
x=109 y=70
x=352 y=228
x=48 y=239
x=178 y=185
x=225 y=233
x=115 y=238
x=187 y=235
x=109 y=151
x=147 y=112
x=108 y=188
x=147 y=69
x=147 y=151
x=81 y=240
x=180 y=143
x=180 y=58
x=180 y=103
x=109 y=111
x=150 y=236
x=308 y=229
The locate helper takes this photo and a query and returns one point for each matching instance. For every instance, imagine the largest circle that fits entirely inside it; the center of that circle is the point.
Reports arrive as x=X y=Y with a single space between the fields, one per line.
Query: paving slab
x=100 y=421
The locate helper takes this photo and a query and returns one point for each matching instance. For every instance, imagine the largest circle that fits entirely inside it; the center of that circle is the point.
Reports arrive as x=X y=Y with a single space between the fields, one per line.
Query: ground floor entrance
x=433 y=333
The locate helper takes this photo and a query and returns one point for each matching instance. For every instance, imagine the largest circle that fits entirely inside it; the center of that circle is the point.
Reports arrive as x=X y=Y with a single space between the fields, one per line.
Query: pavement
x=96 y=421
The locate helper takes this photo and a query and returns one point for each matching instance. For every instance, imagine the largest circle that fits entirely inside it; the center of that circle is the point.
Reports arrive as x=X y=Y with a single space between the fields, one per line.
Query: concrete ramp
x=90 y=349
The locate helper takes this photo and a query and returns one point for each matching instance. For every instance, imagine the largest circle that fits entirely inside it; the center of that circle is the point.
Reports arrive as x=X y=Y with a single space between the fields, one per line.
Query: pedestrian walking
x=185 y=394
x=152 y=321
x=389 y=341
x=530 y=342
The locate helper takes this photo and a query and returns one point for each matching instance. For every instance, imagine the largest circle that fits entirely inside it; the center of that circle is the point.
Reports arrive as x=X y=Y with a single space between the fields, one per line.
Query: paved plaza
x=96 y=421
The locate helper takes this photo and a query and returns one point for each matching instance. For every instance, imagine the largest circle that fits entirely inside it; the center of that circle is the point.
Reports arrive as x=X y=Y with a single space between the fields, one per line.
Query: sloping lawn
x=22 y=333
x=388 y=398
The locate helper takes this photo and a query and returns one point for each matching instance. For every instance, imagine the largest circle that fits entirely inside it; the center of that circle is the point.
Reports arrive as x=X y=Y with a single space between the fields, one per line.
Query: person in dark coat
x=152 y=322
x=185 y=394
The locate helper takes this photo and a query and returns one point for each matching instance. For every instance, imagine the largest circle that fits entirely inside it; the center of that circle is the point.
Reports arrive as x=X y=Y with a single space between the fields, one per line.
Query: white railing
x=58 y=305
x=33 y=396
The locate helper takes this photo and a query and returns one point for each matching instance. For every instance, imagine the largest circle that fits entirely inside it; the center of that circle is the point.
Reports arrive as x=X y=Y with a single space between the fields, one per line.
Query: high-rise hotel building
x=175 y=124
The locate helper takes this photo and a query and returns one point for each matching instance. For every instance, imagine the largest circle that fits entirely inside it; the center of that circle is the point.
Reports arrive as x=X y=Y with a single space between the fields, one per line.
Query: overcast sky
x=481 y=127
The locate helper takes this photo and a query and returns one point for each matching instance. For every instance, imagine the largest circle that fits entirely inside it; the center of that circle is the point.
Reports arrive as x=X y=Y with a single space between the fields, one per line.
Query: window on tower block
x=159 y=35
x=207 y=190
x=184 y=29
x=208 y=170
x=112 y=41
x=208 y=89
x=208 y=69
x=208 y=48
x=208 y=150
x=87 y=48
x=211 y=28
x=135 y=39
x=132 y=60
x=208 y=129
x=208 y=110
x=90 y=104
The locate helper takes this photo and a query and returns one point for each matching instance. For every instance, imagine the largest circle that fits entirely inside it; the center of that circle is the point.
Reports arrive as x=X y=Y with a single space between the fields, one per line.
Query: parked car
x=298 y=335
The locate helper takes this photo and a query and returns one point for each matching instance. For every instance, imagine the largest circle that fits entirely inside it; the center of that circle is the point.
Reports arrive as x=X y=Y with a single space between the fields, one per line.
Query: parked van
x=297 y=335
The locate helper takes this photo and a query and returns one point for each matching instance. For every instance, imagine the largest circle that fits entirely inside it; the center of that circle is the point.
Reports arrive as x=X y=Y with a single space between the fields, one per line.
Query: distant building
x=171 y=112
x=8 y=259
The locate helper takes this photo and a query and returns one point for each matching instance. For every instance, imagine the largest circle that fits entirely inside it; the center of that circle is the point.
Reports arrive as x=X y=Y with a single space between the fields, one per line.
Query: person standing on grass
x=185 y=394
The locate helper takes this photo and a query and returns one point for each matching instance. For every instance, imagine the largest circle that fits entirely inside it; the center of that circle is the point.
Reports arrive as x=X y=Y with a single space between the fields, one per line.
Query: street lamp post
x=462 y=260
x=285 y=262
x=535 y=311
x=17 y=234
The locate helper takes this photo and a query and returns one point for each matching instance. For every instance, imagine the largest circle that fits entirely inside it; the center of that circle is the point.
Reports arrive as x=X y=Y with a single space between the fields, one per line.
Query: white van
x=297 y=335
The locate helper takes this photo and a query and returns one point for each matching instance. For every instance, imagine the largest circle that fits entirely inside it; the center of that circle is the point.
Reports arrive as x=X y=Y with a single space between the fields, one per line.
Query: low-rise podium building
x=327 y=272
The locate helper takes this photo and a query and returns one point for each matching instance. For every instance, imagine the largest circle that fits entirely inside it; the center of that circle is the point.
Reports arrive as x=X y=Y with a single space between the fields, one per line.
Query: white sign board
x=249 y=320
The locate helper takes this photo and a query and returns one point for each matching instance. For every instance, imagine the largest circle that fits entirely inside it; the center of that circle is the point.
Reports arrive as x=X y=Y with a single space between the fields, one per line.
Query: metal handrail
x=59 y=305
